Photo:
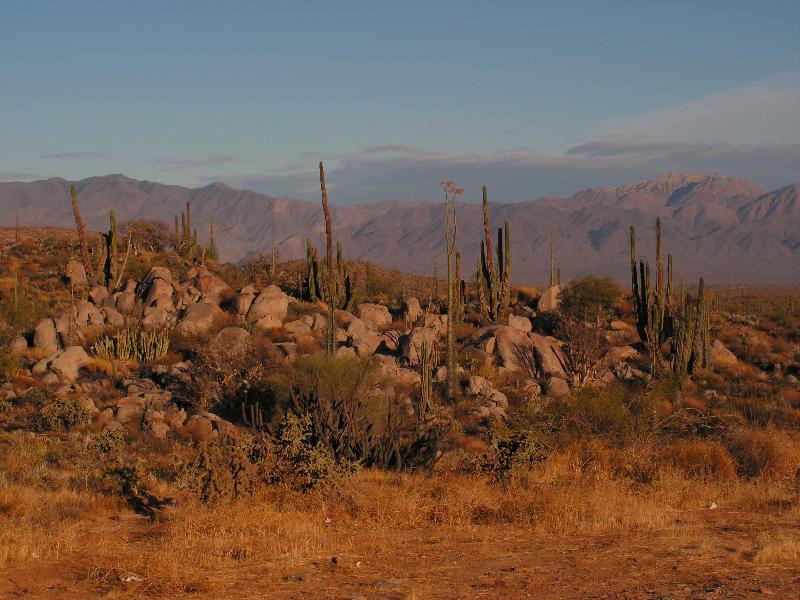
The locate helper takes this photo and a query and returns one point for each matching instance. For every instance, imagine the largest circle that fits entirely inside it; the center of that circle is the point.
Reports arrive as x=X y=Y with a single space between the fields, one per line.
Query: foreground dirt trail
x=708 y=555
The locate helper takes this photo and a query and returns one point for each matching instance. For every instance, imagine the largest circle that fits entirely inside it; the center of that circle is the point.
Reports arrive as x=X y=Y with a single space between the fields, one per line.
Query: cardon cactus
x=493 y=282
x=660 y=318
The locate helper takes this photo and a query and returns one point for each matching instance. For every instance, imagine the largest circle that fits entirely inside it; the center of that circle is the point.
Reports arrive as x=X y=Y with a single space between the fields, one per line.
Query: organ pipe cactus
x=660 y=318
x=493 y=282
x=133 y=344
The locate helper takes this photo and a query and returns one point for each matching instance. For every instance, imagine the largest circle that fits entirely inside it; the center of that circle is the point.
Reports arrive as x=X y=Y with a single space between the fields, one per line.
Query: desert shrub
x=700 y=458
x=589 y=297
x=131 y=482
x=584 y=350
x=358 y=422
x=510 y=453
x=61 y=414
x=107 y=444
x=223 y=470
x=153 y=236
x=304 y=460
x=764 y=453
x=598 y=411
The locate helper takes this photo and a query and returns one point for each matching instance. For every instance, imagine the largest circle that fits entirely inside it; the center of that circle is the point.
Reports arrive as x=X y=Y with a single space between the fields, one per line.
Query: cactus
x=113 y=272
x=133 y=344
x=494 y=284
x=426 y=377
x=84 y=242
x=325 y=282
x=16 y=231
x=652 y=307
x=660 y=318
x=451 y=192
x=461 y=290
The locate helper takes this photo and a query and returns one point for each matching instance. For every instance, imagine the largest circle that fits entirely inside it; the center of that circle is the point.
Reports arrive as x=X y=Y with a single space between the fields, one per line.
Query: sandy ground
x=708 y=554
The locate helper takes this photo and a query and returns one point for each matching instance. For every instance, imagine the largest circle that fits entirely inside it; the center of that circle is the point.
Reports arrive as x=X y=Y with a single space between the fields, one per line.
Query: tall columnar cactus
x=332 y=282
x=461 y=290
x=16 y=230
x=691 y=336
x=451 y=193
x=84 y=242
x=660 y=318
x=426 y=377
x=113 y=271
x=555 y=277
x=494 y=283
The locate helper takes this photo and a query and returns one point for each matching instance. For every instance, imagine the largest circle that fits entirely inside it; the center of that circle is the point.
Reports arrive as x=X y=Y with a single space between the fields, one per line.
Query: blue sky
x=532 y=98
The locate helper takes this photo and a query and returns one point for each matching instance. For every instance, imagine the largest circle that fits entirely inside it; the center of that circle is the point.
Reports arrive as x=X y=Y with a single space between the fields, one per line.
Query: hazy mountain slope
x=724 y=228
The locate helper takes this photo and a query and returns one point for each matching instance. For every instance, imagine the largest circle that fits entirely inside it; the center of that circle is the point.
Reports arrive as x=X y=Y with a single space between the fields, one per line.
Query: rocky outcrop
x=375 y=316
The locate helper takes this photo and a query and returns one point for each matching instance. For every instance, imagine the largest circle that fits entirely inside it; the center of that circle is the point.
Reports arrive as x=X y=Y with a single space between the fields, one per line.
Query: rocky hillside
x=724 y=228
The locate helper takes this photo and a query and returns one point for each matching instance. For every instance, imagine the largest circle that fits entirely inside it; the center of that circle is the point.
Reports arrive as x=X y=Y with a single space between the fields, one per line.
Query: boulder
x=129 y=412
x=557 y=387
x=521 y=323
x=298 y=329
x=18 y=346
x=550 y=353
x=45 y=336
x=76 y=274
x=98 y=295
x=155 y=318
x=720 y=356
x=367 y=344
x=412 y=311
x=549 y=300
x=213 y=289
x=410 y=346
x=240 y=303
x=619 y=354
x=206 y=427
x=197 y=318
x=272 y=302
x=356 y=328
x=65 y=363
x=229 y=345
x=162 y=273
x=375 y=316
x=113 y=318
x=159 y=293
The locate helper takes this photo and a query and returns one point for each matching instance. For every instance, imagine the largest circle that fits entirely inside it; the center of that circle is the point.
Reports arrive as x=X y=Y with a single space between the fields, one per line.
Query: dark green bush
x=590 y=297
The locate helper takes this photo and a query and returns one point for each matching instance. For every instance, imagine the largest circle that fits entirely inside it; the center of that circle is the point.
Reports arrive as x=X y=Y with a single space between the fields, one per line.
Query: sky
x=529 y=98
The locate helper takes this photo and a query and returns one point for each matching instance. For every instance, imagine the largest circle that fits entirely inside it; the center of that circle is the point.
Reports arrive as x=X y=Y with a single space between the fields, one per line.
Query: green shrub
x=589 y=297
x=61 y=414
x=107 y=444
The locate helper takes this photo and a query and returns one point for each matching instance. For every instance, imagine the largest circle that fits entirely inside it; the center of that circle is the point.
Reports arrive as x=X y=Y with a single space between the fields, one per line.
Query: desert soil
x=706 y=554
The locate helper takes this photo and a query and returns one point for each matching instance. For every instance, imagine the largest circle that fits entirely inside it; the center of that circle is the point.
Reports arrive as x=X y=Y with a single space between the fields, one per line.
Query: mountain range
x=724 y=228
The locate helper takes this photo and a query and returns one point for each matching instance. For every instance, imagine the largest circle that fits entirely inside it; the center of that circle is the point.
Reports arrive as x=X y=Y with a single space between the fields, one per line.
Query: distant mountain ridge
x=724 y=228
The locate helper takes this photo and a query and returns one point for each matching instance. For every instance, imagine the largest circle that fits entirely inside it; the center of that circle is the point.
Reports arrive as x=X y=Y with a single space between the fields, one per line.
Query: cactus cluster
x=185 y=236
x=661 y=318
x=133 y=344
x=113 y=270
x=493 y=281
x=316 y=278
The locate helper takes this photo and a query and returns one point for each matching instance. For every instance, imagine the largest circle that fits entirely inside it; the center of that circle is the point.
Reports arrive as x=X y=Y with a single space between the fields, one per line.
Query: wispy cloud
x=77 y=155
x=765 y=112
x=171 y=164
x=20 y=176
x=752 y=131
